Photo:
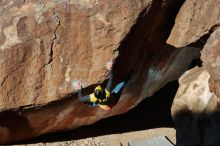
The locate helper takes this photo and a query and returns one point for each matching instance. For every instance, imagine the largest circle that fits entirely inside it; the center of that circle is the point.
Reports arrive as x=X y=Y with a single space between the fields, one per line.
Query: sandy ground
x=115 y=139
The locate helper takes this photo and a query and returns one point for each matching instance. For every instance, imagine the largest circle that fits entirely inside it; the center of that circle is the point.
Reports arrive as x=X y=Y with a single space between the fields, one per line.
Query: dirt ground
x=115 y=139
x=150 y=118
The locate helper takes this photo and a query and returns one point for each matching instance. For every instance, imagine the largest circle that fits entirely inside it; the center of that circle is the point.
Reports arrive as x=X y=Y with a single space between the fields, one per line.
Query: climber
x=104 y=98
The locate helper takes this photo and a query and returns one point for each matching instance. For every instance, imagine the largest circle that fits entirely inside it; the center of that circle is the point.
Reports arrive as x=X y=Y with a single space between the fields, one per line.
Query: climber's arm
x=110 y=81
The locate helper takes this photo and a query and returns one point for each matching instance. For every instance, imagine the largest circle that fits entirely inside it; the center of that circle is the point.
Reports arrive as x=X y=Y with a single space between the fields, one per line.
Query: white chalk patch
x=39 y=18
x=39 y=9
x=61 y=59
x=76 y=84
x=67 y=74
x=63 y=114
x=153 y=74
x=84 y=3
x=204 y=86
x=11 y=35
x=102 y=19
x=195 y=94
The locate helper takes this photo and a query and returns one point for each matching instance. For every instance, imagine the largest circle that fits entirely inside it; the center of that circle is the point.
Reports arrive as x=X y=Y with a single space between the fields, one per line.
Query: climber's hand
x=77 y=85
x=109 y=65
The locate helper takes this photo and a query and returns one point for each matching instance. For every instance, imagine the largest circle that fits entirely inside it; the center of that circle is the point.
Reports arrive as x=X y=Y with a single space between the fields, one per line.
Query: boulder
x=195 y=109
x=191 y=100
x=46 y=45
x=195 y=22
x=211 y=60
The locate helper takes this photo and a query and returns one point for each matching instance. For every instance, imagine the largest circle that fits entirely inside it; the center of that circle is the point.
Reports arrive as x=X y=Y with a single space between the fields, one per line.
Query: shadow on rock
x=153 y=112
x=8 y=123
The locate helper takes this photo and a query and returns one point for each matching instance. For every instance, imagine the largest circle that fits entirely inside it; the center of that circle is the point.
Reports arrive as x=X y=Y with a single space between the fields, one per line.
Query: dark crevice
x=7 y=119
x=172 y=17
x=144 y=39
x=196 y=62
x=53 y=40
x=3 y=80
x=202 y=41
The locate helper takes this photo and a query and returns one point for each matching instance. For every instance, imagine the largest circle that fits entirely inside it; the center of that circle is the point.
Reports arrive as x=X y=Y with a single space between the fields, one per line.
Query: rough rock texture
x=192 y=99
x=195 y=20
x=195 y=109
x=211 y=60
x=45 y=45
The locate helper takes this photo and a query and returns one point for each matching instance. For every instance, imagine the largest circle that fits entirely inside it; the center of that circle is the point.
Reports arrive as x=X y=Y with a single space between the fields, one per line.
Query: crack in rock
x=203 y=39
x=53 y=40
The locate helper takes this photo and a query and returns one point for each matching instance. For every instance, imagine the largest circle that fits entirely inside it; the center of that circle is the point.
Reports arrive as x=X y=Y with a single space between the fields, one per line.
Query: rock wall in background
x=194 y=22
x=45 y=45
x=195 y=109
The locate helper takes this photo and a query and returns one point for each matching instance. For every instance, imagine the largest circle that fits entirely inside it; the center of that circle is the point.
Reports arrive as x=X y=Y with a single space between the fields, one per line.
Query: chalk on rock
x=77 y=84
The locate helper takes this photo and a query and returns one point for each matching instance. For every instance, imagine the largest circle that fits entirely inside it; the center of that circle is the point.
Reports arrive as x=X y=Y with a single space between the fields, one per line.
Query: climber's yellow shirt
x=103 y=103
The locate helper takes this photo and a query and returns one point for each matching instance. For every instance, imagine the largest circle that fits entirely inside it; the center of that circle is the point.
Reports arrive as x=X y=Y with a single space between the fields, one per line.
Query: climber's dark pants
x=115 y=93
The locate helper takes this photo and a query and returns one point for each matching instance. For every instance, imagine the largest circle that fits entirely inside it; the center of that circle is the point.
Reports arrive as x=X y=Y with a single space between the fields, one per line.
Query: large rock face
x=195 y=108
x=195 y=20
x=192 y=101
x=45 y=45
x=211 y=60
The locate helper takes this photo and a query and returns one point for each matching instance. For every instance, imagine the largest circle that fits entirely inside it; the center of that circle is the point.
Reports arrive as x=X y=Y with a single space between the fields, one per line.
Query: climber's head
x=98 y=92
